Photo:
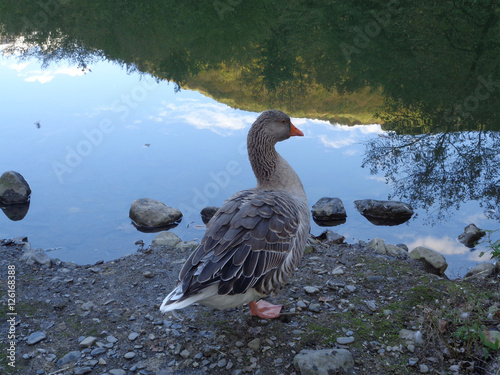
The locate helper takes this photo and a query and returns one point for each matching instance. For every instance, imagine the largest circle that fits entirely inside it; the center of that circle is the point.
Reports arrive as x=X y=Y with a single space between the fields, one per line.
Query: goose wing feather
x=251 y=235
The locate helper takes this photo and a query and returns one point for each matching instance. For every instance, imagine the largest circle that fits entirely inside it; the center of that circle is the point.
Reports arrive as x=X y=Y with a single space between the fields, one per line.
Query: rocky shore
x=349 y=308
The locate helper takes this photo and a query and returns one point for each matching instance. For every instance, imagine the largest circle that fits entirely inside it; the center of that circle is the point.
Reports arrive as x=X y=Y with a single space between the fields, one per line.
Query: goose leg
x=264 y=309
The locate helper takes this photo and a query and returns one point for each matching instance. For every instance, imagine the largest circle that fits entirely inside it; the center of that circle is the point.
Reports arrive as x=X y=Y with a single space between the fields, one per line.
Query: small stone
x=88 y=341
x=88 y=306
x=148 y=274
x=311 y=289
x=345 y=340
x=129 y=355
x=412 y=361
x=455 y=368
x=338 y=271
x=36 y=337
x=254 y=344
x=222 y=363
x=424 y=368
x=371 y=305
x=166 y=239
x=117 y=371
x=350 y=288
x=70 y=357
x=82 y=370
x=185 y=354
x=98 y=351
x=411 y=348
x=187 y=245
x=315 y=307
x=133 y=335
x=301 y=304
x=111 y=339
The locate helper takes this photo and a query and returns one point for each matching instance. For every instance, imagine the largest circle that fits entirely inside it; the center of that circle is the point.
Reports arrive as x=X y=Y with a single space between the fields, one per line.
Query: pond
x=96 y=117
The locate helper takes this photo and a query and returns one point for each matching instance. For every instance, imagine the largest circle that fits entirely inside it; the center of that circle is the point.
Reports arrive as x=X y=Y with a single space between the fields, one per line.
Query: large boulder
x=379 y=246
x=436 y=262
x=471 y=235
x=384 y=212
x=323 y=361
x=482 y=271
x=148 y=213
x=329 y=212
x=14 y=188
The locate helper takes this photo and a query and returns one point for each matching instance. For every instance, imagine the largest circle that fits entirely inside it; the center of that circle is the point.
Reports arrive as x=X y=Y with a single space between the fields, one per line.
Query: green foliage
x=493 y=245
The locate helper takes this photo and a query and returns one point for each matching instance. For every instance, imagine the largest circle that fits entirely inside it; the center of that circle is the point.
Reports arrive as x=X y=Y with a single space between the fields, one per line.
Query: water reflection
x=440 y=171
x=425 y=71
x=15 y=212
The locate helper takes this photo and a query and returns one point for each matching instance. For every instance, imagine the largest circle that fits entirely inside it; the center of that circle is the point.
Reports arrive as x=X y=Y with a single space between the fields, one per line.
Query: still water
x=91 y=141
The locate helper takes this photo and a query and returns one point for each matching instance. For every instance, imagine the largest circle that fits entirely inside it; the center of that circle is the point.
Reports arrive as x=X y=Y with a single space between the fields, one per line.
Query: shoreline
x=104 y=319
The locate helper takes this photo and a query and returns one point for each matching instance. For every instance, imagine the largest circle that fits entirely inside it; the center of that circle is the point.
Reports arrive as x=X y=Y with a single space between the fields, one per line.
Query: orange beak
x=295 y=131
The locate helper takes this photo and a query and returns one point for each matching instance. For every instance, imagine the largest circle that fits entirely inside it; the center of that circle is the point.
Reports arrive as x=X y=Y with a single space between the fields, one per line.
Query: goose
x=254 y=242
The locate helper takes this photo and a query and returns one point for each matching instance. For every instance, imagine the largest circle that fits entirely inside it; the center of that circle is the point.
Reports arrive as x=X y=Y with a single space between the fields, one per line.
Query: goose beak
x=295 y=131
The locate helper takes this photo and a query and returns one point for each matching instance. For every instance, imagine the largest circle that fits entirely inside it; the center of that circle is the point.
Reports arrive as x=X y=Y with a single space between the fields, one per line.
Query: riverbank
x=387 y=314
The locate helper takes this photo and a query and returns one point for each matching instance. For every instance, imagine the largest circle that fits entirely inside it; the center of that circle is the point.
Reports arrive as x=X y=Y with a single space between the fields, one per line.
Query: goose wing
x=251 y=235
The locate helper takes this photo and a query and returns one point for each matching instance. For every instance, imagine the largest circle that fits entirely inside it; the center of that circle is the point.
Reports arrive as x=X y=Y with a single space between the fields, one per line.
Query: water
x=107 y=137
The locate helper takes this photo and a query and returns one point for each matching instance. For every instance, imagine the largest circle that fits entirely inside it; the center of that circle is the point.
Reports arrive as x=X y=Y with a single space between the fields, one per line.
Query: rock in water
x=471 y=235
x=384 y=212
x=14 y=188
x=148 y=213
x=207 y=213
x=329 y=212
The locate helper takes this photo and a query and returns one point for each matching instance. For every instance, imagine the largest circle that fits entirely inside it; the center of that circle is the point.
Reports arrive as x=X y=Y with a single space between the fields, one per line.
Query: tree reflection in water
x=440 y=171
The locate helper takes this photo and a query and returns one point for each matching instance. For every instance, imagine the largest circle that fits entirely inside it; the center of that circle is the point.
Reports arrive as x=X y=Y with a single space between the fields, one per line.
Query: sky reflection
x=107 y=138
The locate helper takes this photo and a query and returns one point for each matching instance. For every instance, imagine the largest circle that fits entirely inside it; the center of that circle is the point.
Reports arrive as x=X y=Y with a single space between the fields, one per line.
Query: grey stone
x=187 y=245
x=133 y=335
x=323 y=362
x=35 y=337
x=371 y=305
x=254 y=344
x=431 y=257
x=111 y=339
x=207 y=213
x=424 y=368
x=396 y=251
x=384 y=212
x=129 y=355
x=88 y=341
x=146 y=212
x=31 y=256
x=98 y=351
x=329 y=237
x=69 y=357
x=377 y=245
x=315 y=307
x=345 y=340
x=14 y=188
x=88 y=306
x=117 y=371
x=185 y=354
x=166 y=238
x=328 y=210
x=311 y=289
x=82 y=370
x=482 y=271
x=471 y=235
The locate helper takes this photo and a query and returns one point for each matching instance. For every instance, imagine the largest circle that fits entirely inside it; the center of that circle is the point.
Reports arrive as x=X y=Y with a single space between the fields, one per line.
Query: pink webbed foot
x=264 y=309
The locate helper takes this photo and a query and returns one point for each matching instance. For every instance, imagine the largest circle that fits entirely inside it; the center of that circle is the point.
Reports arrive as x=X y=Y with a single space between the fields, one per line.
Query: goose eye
x=283 y=121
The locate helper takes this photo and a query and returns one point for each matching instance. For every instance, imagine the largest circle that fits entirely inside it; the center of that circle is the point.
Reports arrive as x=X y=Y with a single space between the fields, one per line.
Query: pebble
x=88 y=341
x=371 y=305
x=311 y=289
x=185 y=354
x=254 y=344
x=350 y=288
x=133 y=335
x=345 y=340
x=222 y=363
x=423 y=368
x=111 y=339
x=35 y=337
x=455 y=368
x=412 y=361
x=70 y=357
x=315 y=307
x=411 y=348
x=129 y=355
x=97 y=351
x=117 y=371
x=301 y=304
x=148 y=274
x=88 y=306
x=338 y=271
x=82 y=370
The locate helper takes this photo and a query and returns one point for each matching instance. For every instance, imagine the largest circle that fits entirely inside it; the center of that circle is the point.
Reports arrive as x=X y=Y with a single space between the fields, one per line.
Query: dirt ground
x=342 y=296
